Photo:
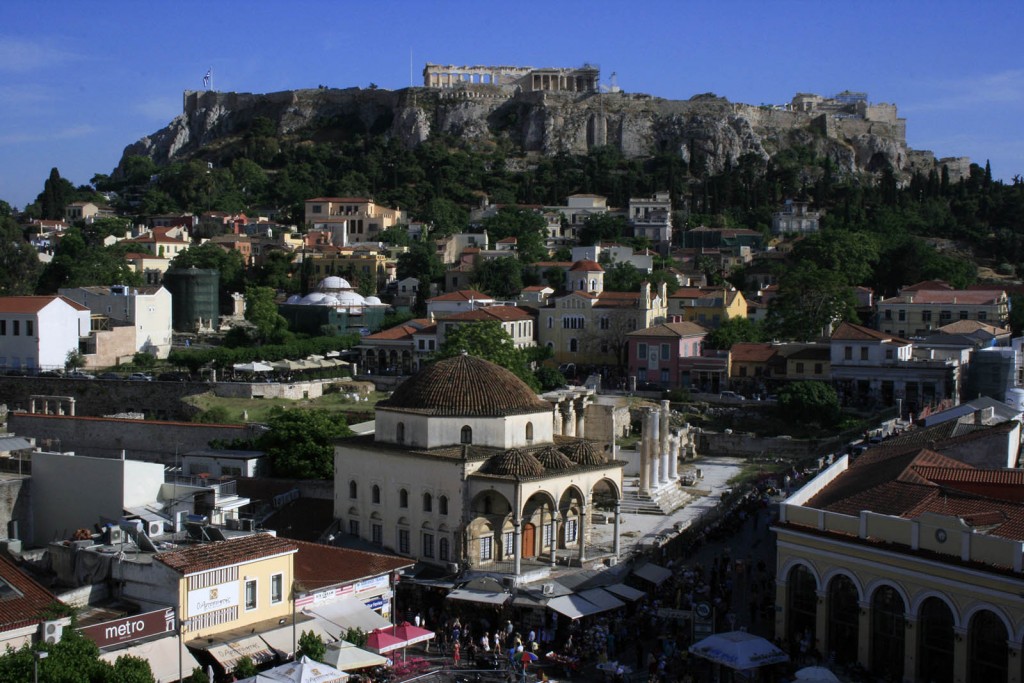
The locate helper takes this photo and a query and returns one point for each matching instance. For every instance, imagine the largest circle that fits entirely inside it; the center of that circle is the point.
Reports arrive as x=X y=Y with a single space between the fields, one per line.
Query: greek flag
x=207 y=77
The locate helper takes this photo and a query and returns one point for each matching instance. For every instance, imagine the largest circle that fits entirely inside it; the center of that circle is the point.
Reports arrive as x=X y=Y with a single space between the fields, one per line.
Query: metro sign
x=128 y=629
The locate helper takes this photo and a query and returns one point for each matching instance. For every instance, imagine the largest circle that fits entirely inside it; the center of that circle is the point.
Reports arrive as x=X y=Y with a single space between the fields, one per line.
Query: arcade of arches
x=925 y=636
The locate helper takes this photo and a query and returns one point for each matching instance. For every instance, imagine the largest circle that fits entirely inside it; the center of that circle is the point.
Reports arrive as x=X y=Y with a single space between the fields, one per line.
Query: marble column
x=517 y=525
x=616 y=543
x=582 y=533
x=821 y=621
x=568 y=419
x=581 y=409
x=673 y=461
x=960 y=654
x=554 y=539
x=556 y=419
x=864 y=633
x=645 y=447
x=664 y=416
x=656 y=480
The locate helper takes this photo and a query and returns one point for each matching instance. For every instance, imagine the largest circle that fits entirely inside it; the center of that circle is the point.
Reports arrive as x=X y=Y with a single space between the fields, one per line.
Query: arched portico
x=490 y=512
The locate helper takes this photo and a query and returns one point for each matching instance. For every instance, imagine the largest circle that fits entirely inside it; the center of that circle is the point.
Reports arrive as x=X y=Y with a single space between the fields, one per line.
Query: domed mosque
x=467 y=466
x=333 y=303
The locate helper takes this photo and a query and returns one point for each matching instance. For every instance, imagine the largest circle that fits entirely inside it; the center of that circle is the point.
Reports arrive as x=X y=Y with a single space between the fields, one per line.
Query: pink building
x=668 y=355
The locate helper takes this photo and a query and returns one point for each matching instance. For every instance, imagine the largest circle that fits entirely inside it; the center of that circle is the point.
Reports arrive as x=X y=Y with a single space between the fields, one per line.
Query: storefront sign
x=376 y=603
x=378 y=583
x=212 y=598
x=131 y=628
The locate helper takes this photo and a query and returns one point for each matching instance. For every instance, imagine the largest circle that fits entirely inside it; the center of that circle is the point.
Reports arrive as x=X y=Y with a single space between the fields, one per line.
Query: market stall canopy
x=483 y=597
x=162 y=656
x=603 y=599
x=653 y=573
x=228 y=654
x=257 y=366
x=573 y=606
x=739 y=650
x=625 y=592
x=409 y=633
x=383 y=642
x=348 y=613
x=305 y=670
x=346 y=656
x=816 y=674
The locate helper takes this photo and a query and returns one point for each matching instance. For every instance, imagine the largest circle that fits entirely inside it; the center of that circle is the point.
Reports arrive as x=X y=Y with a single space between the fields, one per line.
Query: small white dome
x=329 y=300
x=350 y=299
x=294 y=299
x=372 y=301
x=313 y=298
x=333 y=283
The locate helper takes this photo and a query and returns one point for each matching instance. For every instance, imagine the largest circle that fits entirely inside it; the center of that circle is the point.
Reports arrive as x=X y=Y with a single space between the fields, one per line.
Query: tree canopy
x=300 y=443
x=487 y=340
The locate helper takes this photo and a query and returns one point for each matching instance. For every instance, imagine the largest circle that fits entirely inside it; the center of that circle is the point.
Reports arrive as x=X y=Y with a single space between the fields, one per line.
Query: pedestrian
x=456 y=655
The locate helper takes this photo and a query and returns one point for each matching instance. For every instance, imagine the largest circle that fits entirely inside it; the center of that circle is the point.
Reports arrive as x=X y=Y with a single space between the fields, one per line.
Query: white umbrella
x=344 y=655
x=257 y=366
x=816 y=674
x=305 y=670
x=738 y=650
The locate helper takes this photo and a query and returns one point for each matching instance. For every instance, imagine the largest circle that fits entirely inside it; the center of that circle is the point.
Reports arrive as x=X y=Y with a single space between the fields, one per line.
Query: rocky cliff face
x=707 y=132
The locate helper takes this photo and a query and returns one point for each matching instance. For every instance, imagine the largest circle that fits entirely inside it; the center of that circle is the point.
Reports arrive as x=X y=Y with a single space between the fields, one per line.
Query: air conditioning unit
x=547 y=589
x=154 y=528
x=247 y=524
x=113 y=535
x=52 y=631
x=452 y=567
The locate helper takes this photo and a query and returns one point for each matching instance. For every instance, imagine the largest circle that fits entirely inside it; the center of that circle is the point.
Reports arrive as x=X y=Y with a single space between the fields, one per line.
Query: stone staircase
x=663 y=501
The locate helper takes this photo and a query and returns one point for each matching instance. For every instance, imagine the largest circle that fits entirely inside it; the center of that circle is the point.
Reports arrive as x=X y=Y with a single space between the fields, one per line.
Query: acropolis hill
x=547 y=111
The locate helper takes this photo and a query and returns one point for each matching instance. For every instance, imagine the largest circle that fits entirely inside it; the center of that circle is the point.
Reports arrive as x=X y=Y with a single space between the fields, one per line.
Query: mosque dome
x=349 y=299
x=294 y=299
x=513 y=462
x=332 y=283
x=372 y=301
x=465 y=386
x=553 y=459
x=584 y=452
x=313 y=298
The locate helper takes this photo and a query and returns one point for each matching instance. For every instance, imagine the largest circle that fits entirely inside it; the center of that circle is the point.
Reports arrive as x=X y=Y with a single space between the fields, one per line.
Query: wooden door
x=529 y=540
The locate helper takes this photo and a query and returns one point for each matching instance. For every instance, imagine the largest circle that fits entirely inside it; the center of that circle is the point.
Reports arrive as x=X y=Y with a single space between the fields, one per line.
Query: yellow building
x=359 y=263
x=351 y=219
x=908 y=562
x=920 y=309
x=707 y=306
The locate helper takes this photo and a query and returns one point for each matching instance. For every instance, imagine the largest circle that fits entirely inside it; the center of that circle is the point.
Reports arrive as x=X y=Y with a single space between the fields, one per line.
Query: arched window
x=428 y=502
x=986 y=648
x=529 y=431
x=843 y=619
x=583 y=285
x=400 y=432
x=936 y=641
x=403 y=498
x=353 y=489
x=442 y=505
x=593 y=285
x=375 y=494
x=574 y=345
x=888 y=631
x=442 y=548
x=467 y=434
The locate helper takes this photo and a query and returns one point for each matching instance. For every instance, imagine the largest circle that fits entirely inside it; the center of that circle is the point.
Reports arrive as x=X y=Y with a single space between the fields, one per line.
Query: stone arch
x=802 y=589
x=919 y=599
x=529 y=431
x=832 y=573
x=605 y=492
x=935 y=638
x=888 y=629
x=987 y=645
x=570 y=509
x=842 y=617
x=793 y=562
x=353 y=489
x=466 y=435
x=996 y=610
x=540 y=524
x=869 y=593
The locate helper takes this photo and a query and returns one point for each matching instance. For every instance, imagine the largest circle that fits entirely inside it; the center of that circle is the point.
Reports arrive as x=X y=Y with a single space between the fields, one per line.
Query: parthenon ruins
x=525 y=78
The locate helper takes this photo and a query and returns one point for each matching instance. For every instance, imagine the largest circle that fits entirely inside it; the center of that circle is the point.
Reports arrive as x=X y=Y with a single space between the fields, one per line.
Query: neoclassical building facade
x=909 y=563
x=468 y=467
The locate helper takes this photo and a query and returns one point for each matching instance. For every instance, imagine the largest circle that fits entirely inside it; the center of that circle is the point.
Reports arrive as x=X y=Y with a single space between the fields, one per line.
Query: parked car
x=731 y=396
x=111 y=375
x=140 y=377
x=79 y=374
x=51 y=373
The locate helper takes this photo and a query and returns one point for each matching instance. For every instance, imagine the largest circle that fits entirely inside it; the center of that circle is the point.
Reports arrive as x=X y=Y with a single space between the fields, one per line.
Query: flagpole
x=211 y=78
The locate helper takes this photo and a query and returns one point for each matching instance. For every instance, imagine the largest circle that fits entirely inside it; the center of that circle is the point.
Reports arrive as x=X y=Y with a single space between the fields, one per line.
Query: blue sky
x=79 y=81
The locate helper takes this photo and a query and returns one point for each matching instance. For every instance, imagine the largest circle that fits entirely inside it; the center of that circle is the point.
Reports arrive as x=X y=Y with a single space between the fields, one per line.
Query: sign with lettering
x=378 y=583
x=132 y=628
x=212 y=598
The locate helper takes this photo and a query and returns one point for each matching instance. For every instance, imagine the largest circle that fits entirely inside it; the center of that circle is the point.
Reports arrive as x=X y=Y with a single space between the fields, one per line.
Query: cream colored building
x=146 y=309
x=351 y=219
x=917 y=312
x=909 y=563
x=468 y=468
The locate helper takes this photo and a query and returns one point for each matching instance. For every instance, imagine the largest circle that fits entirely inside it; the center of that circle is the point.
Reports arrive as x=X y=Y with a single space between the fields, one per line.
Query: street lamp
x=39 y=654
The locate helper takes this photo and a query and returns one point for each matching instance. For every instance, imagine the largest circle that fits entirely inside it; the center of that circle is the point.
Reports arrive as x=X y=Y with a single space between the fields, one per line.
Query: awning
x=573 y=606
x=484 y=597
x=345 y=656
x=281 y=638
x=625 y=592
x=603 y=599
x=162 y=656
x=349 y=613
x=253 y=647
x=529 y=601
x=653 y=573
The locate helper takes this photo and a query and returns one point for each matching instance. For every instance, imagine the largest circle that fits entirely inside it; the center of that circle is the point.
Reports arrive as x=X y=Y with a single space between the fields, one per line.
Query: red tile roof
x=976 y=297
x=675 y=330
x=850 y=332
x=17 y=611
x=462 y=295
x=927 y=284
x=205 y=556
x=318 y=566
x=750 y=352
x=346 y=200
x=34 y=304
x=586 y=265
x=501 y=313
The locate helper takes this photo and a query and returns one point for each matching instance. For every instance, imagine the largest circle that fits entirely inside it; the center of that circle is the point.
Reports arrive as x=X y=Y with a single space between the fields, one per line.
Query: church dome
x=584 y=452
x=553 y=459
x=465 y=386
x=513 y=462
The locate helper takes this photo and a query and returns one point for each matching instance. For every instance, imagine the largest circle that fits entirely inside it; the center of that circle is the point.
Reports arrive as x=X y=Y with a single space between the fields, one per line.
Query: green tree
x=244 y=668
x=812 y=401
x=811 y=299
x=312 y=645
x=277 y=271
x=500 y=277
x=19 y=261
x=488 y=340
x=603 y=227
x=422 y=263
x=300 y=443
x=261 y=311
x=356 y=636
x=57 y=194
x=623 y=277
x=198 y=676
x=528 y=227
x=732 y=331
x=74 y=360
x=129 y=669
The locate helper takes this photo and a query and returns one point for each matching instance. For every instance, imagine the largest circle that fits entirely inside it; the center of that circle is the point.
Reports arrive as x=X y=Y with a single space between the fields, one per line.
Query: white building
x=468 y=467
x=40 y=331
x=147 y=309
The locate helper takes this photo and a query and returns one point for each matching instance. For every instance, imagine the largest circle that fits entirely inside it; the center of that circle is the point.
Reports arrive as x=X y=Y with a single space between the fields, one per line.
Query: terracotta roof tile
x=513 y=463
x=204 y=556
x=586 y=265
x=850 y=332
x=500 y=313
x=34 y=304
x=674 y=330
x=750 y=352
x=462 y=295
x=318 y=565
x=22 y=609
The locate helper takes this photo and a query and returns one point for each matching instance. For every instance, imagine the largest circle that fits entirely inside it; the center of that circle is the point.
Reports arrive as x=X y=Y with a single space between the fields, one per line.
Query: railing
x=225 y=488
